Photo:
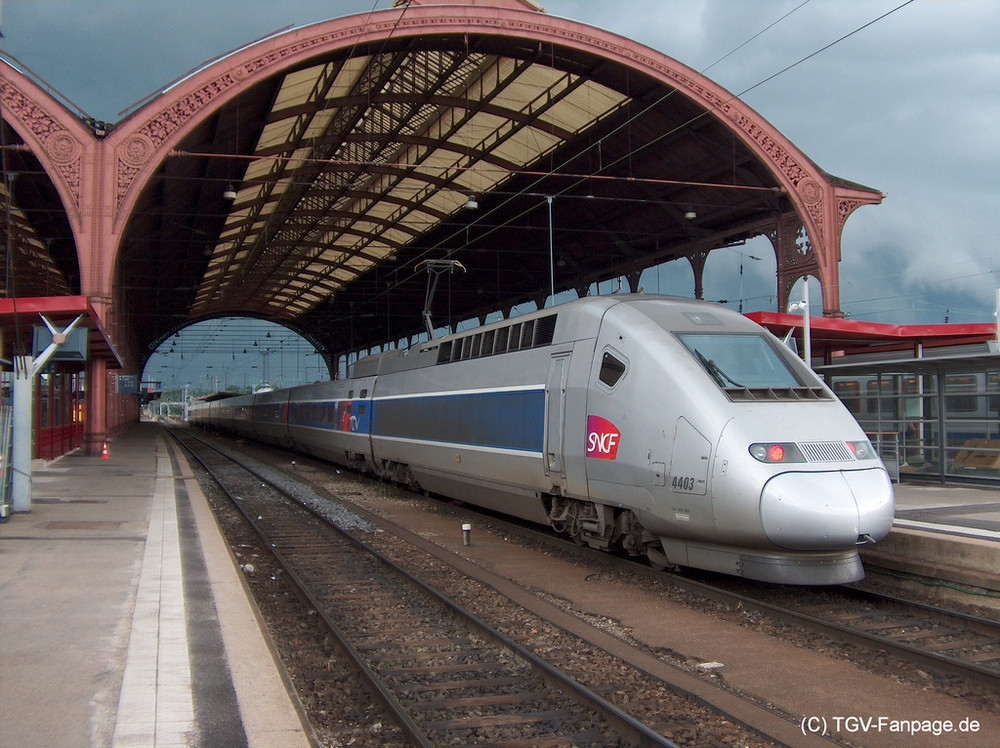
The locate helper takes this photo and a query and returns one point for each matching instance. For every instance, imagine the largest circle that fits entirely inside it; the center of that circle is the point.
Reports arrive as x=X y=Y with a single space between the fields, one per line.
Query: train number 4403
x=682 y=483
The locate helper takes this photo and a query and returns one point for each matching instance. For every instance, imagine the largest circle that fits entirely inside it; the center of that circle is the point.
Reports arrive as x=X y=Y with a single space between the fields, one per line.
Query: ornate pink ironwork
x=41 y=125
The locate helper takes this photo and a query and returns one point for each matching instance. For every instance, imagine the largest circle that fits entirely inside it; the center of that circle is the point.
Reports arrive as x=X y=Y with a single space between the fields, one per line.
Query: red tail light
x=772 y=452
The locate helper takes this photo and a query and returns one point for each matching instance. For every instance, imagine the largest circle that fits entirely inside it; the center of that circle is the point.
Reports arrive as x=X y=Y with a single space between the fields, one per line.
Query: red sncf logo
x=602 y=438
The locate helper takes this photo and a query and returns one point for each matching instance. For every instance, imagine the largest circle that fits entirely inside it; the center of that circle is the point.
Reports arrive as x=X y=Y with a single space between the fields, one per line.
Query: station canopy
x=314 y=197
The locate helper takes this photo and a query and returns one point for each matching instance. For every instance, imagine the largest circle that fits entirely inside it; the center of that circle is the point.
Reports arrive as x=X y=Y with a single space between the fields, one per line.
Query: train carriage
x=481 y=411
x=331 y=420
x=269 y=414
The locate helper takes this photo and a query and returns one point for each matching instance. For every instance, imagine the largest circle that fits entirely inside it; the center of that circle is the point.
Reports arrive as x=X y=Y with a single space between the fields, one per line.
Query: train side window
x=612 y=369
x=881 y=397
x=364 y=393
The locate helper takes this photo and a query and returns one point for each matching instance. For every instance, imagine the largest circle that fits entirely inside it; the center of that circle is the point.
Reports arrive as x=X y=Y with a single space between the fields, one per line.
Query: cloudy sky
x=909 y=105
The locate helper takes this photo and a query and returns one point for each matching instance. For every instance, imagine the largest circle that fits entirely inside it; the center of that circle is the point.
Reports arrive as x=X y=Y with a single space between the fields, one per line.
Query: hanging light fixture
x=230 y=192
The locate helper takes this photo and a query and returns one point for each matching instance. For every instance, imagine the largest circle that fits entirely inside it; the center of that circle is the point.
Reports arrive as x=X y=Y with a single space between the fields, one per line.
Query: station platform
x=124 y=619
x=947 y=533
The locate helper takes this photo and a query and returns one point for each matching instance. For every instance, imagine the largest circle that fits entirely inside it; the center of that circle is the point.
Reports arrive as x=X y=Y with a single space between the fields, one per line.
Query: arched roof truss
x=353 y=147
x=360 y=157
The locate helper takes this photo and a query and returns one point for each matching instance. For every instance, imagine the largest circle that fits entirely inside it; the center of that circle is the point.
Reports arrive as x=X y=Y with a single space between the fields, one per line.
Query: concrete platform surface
x=124 y=620
x=972 y=510
x=945 y=532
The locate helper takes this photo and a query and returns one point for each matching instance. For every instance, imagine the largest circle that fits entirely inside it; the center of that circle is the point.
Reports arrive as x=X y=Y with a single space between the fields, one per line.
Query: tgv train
x=664 y=427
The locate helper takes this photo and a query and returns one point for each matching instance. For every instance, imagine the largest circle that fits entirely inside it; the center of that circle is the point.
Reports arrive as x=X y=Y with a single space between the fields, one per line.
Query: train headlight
x=776 y=452
x=862 y=450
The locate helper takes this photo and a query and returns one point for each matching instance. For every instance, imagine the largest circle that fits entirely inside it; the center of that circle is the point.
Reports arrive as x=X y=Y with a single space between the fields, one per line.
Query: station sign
x=127 y=384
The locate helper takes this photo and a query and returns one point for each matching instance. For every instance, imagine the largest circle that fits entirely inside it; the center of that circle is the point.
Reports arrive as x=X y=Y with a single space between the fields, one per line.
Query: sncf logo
x=602 y=438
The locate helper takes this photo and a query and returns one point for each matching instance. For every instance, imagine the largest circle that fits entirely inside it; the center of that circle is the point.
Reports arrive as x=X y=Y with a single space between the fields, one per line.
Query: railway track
x=741 y=600
x=445 y=676
x=949 y=642
x=805 y=610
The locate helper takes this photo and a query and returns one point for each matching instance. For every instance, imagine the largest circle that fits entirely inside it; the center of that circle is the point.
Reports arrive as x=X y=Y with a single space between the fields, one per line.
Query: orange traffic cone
x=104 y=452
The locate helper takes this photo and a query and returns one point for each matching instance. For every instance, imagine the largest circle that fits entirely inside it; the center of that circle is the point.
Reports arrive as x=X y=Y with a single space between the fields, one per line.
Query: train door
x=555 y=413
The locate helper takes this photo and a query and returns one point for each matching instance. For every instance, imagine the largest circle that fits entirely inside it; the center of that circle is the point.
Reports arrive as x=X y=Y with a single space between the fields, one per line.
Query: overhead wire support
x=435 y=269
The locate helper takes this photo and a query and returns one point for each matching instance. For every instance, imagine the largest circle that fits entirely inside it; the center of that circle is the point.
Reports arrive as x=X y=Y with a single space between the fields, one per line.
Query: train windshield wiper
x=720 y=377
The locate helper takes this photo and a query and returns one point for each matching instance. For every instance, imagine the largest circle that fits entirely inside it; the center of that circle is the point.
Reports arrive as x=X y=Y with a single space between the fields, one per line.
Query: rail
x=354 y=588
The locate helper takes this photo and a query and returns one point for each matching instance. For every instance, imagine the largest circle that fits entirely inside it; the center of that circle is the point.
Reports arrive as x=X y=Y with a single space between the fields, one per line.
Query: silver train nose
x=812 y=511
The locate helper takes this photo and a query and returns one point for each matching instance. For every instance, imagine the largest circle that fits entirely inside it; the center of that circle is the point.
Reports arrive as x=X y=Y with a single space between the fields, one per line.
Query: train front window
x=741 y=361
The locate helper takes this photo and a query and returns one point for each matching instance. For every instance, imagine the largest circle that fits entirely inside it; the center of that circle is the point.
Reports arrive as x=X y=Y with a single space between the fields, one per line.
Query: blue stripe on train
x=499 y=420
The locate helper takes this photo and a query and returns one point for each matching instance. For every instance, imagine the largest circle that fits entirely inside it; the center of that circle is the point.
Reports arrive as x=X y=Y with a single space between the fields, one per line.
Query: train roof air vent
x=785 y=394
